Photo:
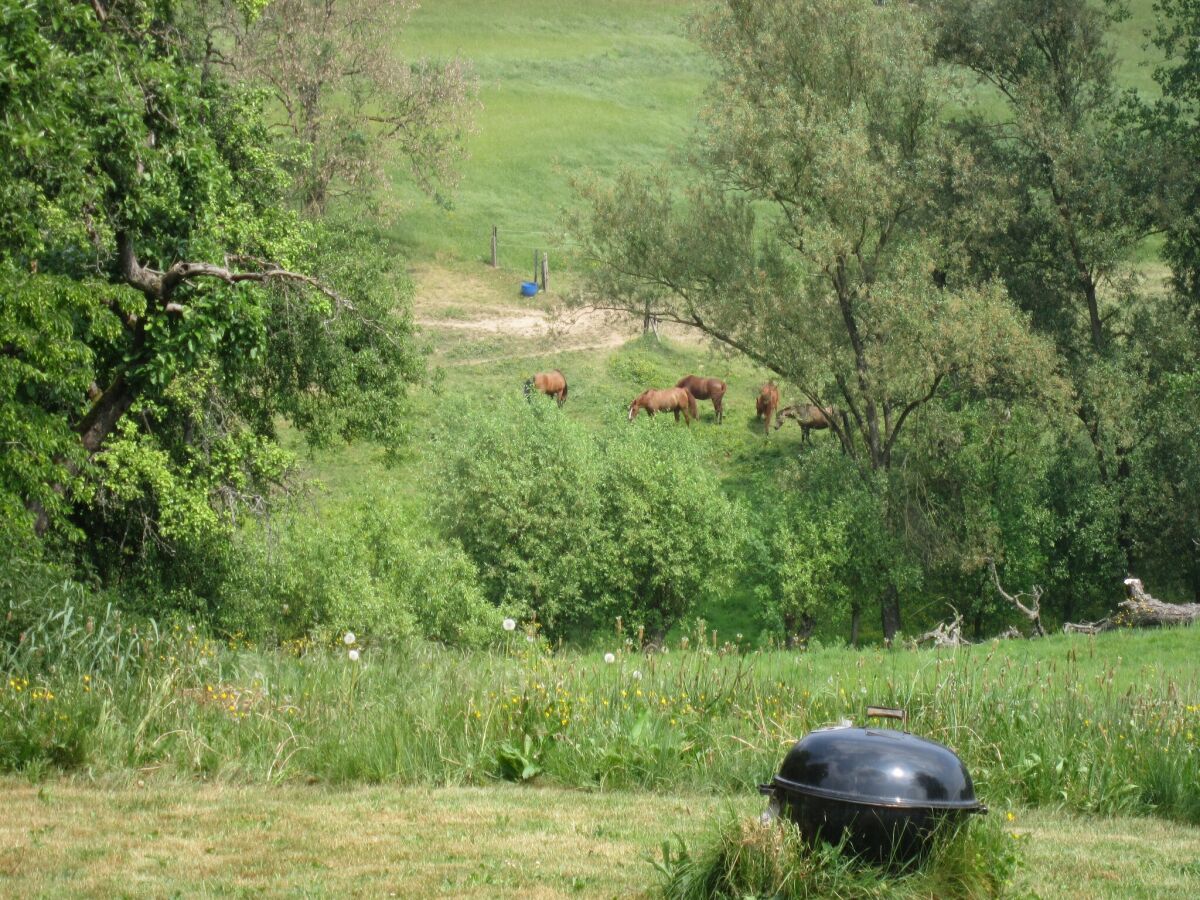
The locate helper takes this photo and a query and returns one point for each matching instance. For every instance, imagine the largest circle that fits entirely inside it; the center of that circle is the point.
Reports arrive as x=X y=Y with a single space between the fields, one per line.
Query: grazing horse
x=705 y=389
x=807 y=417
x=768 y=402
x=552 y=384
x=675 y=400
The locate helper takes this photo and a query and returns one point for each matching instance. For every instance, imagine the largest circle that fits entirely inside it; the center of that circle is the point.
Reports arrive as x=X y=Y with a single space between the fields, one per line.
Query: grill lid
x=879 y=768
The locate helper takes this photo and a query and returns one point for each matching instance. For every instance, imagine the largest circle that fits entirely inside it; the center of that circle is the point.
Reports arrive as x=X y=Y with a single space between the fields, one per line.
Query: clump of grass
x=750 y=858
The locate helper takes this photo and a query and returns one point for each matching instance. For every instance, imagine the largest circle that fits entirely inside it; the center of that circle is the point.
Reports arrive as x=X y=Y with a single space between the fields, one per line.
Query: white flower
x=529 y=638
x=349 y=639
x=637 y=675
x=353 y=655
x=510 y=624
x=609 y=658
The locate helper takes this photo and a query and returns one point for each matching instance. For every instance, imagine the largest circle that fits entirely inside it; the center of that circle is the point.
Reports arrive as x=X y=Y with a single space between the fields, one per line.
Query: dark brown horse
x=807 y=417
x=675 y=400
x=705 y=389
x=768 y=402
x=552 y=384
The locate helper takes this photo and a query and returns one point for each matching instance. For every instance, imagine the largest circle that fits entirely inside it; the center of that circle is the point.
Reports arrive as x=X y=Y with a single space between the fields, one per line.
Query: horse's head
x=779 y=420
x=633 y=409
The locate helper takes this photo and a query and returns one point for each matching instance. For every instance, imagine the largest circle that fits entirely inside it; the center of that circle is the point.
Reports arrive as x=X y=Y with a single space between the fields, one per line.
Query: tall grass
x=747 y=858
x=1063 y=722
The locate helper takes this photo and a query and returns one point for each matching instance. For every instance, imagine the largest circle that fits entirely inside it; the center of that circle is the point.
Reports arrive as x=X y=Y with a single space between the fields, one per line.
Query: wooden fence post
x=495 y=262
x=545 y=271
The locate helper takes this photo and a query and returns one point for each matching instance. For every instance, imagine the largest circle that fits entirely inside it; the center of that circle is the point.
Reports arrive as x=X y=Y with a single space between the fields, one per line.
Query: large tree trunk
x=855 y=622
x=889 y=608
x=102 y=418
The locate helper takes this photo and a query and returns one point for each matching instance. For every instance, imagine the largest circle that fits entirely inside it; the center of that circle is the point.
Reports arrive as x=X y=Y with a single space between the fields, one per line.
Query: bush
x=580 y=529
x=673 y=535
x=360 y=568
x=521 y=491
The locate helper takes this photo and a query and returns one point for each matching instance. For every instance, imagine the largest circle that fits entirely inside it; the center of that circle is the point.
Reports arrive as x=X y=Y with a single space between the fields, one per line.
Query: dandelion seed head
x=353 y=655
x=609 y=658
x=349 y=638
x=510 y=624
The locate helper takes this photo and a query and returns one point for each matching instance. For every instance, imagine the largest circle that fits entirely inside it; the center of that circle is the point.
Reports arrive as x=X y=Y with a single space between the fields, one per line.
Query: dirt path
x=457 y=309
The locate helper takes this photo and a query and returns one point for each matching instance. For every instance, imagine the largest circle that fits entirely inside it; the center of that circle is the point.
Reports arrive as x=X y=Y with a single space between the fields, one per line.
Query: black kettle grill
x=888 y=792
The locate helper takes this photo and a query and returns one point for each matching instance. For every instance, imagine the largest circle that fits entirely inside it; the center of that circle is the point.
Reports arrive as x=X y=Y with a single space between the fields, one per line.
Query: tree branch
x=1034 y=612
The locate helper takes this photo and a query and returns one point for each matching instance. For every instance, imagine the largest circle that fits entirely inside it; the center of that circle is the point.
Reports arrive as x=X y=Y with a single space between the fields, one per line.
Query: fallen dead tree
x=947 y=634
x=1139 y=610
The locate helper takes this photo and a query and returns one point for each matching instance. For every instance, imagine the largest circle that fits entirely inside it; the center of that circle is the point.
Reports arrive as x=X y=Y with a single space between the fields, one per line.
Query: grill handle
x=887 y=712
x=766 y=790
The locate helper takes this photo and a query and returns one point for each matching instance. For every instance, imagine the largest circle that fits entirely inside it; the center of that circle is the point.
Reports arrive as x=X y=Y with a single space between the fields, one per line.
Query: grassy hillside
x=564 y=87
x=574 y=85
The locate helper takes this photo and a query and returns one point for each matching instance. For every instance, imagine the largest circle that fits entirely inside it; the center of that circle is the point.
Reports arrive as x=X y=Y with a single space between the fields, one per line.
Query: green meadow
x=151 y=757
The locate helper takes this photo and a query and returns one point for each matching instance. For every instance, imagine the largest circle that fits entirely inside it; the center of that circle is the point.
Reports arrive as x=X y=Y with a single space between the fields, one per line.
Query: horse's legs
x=719 y=407
x=676 y=416
x=561 y=397
x=804 y=434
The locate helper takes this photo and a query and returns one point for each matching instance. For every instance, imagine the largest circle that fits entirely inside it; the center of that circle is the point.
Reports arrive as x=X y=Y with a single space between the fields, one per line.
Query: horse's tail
x=691 y=404
x=564 y=391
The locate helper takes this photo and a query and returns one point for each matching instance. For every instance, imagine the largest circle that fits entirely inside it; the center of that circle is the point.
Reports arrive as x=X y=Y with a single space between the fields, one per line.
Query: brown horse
x=807 y=417
x=705 y=389
x=552 y=384
x=768 y=401
x=675 y=400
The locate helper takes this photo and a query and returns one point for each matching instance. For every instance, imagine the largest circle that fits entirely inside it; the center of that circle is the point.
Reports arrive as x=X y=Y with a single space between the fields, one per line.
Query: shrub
x=521 y=491
x=580 y=529
x=361 y=568
x=674 y=536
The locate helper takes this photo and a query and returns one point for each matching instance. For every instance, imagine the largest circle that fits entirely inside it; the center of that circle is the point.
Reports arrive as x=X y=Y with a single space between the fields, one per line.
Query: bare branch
x=1033 y=612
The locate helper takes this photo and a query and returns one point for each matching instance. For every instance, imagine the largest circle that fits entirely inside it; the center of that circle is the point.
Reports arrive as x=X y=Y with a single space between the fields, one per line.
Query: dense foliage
x=579 y=530
x=957 y=273
x=162 y=310
x=963 y=273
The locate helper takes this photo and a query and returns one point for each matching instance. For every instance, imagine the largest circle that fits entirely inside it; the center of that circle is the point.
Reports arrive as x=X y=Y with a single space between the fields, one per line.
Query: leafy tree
x=813 y=238
x=156 y=320
x=1084 y=179
x=1177 y=118
x=978 y=486
x=1085 y=183
x=348 y=103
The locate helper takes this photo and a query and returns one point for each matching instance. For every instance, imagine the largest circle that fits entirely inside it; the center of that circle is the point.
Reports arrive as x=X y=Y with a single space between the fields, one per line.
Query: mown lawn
x=164 y=837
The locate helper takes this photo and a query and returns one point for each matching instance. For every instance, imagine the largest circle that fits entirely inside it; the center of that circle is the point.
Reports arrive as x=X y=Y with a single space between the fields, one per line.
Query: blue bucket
x=528 y=288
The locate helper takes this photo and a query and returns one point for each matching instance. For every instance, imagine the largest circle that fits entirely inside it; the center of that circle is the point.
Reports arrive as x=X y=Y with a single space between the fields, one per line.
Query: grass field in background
x=564 y=87
x=573 y=85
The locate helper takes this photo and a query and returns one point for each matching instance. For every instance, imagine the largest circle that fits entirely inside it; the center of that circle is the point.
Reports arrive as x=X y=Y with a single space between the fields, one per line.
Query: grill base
x=879 y=834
